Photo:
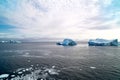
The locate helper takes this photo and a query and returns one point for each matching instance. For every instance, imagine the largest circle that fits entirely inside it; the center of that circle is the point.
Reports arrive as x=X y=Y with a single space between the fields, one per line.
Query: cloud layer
x=61 y=18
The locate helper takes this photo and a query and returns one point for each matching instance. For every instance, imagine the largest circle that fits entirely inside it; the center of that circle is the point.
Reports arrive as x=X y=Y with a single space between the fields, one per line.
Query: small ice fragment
x=80 y=69
x=52 y=72
x=31 y=65
x=23 y=70
x=12 y=75
x=4 y=76
x=53 y=66
x=19 y=72
x=93 y=67
x=27 y=69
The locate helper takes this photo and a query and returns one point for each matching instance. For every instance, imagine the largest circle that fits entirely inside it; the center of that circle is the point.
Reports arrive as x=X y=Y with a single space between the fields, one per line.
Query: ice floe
x=4 y=76
x=92 y=67
x=32 y=73
x=12 y=75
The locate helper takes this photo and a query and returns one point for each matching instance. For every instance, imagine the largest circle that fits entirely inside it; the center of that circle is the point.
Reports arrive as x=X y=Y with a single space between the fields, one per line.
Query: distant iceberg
x=103 y=42
x=10 y=41
x=14 y=41
x=67 y=42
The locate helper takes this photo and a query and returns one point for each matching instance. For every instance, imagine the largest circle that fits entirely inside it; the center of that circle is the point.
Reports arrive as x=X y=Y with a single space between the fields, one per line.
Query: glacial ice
x=103 y=42
x=67 y=42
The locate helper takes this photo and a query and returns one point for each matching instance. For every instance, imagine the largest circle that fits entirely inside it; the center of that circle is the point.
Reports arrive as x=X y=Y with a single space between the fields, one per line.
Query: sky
x=76 y=19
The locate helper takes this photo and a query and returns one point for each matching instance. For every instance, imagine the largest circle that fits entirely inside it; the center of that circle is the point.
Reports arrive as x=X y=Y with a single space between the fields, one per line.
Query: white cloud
x=60 y=18
x=107 y=2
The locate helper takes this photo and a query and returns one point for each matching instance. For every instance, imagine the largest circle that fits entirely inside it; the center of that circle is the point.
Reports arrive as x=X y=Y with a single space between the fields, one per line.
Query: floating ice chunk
x=4 y=76
x=53 y=66
x=27 y=69
x=31 y=65
x=103 y=42
x=80 y=69
x=93 y=67
x=24 y=70
x=52 y=72
x=67 y=42
x=12 y=75
x=3 y=41
x=20 y=72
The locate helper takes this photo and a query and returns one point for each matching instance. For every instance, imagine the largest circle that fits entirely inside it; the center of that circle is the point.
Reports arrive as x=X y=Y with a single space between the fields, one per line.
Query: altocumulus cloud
x=61 y=18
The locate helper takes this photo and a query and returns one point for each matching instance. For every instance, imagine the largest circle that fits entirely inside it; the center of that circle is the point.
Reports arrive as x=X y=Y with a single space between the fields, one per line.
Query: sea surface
x=48 y=61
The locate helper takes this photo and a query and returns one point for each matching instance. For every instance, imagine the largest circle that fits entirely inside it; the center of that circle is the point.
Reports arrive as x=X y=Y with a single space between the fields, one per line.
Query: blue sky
x=77 y=19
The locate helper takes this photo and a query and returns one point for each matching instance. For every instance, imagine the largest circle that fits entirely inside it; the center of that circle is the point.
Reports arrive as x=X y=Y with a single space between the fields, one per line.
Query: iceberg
x=14 y=41
x=67 y=42
x=103 y=42
x=10 y=41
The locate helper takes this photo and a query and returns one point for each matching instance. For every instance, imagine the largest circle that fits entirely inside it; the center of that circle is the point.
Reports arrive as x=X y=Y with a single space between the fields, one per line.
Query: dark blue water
x=47 y=61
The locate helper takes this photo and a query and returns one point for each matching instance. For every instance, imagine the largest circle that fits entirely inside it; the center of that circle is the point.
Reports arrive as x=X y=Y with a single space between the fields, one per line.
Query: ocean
x=48 y=61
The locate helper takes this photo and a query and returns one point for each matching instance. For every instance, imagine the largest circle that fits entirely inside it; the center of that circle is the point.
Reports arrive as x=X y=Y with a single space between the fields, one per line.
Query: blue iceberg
x=103 y=42
x=67 y=42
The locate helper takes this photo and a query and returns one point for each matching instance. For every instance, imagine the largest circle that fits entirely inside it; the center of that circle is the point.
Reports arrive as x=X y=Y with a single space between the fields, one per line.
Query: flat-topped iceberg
x=67 y=42
x=103 y=42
